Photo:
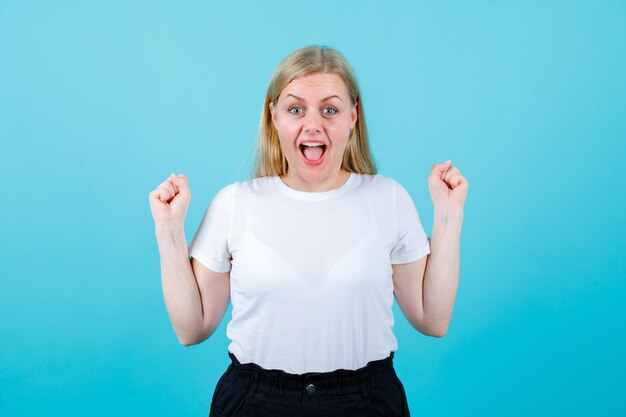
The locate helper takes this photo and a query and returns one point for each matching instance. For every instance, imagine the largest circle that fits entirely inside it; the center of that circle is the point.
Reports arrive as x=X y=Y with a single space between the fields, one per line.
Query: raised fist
x=170 y=200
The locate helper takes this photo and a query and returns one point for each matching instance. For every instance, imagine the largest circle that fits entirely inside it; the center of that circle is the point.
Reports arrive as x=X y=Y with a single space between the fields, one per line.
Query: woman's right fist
x=170 y=200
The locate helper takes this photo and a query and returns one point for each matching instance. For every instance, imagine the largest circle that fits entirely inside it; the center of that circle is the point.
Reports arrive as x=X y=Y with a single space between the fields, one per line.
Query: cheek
x=288 y=131
x=338 y=131
x=286 y=144
x=335 y=129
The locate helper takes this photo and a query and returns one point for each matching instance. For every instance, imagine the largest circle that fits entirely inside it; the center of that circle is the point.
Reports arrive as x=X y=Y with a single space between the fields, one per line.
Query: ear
x=354 y=116
x=272 y=112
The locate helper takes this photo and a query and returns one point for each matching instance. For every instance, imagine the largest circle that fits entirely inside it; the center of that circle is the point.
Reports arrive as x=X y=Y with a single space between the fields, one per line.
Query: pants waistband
x=338 y=382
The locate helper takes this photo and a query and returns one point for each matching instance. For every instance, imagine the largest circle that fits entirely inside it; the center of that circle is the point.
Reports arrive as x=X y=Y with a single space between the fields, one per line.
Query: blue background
x=99 y=102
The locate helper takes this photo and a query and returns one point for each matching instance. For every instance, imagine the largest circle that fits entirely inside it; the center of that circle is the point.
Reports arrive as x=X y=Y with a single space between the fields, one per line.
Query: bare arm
x=195 y=297
x=408 y=280
x=441 y=279
x=426 y=289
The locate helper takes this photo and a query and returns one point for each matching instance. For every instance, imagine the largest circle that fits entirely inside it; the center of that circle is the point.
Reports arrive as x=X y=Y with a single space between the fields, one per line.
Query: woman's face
x=313 y=116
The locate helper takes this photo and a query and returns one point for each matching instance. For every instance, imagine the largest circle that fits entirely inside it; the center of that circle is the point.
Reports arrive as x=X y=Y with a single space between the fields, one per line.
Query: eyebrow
x=324 y=99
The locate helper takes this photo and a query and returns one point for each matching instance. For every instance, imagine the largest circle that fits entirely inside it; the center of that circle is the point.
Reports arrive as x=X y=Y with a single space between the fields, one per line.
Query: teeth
x=312 y=144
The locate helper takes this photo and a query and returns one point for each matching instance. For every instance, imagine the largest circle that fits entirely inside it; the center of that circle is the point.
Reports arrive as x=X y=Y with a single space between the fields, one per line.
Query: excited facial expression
x=313 y=116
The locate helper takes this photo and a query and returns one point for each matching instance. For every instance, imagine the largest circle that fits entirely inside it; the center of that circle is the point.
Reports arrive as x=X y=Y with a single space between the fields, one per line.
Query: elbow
x=188 y=341
x=431 y=331
x=437 y=330
x=441 y=330
x=438 y=333
x=194 y=339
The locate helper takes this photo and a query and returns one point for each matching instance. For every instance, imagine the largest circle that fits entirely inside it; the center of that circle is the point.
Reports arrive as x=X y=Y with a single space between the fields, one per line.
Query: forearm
x=441 y=277
x=180 y=289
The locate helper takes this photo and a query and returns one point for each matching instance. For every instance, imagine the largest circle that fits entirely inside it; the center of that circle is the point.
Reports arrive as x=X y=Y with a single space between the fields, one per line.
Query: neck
x=328 y=183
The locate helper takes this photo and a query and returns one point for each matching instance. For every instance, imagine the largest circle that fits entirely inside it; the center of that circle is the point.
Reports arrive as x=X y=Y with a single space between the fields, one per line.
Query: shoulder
x=377 y=182
x=254 y=185
x=381 y=186
x=236 y=189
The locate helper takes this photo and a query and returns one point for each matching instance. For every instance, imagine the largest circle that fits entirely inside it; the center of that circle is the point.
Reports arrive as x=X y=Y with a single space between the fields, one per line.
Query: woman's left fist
x=448 y=188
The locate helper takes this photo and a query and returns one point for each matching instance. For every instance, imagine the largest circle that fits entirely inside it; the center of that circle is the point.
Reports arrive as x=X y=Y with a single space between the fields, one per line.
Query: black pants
x=249 y=390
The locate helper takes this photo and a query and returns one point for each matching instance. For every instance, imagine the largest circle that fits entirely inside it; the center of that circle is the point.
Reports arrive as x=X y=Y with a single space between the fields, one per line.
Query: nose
x=312 y=122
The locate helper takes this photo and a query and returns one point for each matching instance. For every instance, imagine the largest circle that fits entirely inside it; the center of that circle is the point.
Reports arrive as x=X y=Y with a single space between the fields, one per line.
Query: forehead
x=316 y=86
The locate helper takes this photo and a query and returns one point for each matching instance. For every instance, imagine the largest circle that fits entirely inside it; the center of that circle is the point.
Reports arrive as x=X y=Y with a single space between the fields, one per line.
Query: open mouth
x=313 y=152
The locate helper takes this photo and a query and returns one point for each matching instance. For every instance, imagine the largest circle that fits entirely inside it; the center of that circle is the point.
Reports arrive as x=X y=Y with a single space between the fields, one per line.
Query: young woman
x=311 y=252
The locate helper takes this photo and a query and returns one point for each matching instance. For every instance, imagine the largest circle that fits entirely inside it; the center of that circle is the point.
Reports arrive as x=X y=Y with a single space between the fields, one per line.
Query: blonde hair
x=312 y=59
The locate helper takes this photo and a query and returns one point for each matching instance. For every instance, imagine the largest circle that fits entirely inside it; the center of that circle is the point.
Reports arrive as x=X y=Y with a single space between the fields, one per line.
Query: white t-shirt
x=310 y=272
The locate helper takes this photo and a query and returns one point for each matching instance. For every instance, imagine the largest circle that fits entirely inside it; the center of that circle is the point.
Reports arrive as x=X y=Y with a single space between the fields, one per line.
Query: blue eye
x=332 y=111
x=291 y=110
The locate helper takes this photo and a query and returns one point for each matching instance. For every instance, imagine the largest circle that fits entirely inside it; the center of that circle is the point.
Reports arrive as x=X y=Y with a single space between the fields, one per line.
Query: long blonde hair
x=305 y=61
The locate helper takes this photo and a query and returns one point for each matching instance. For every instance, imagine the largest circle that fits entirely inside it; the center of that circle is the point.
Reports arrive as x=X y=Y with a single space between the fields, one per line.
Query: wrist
x=169 y=231
x=448 y=212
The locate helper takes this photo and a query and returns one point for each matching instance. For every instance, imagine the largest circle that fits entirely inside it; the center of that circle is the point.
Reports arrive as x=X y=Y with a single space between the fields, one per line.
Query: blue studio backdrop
x=101 y=101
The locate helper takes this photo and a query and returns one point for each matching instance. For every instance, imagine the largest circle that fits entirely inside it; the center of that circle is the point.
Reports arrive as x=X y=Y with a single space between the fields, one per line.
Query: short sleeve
x=412 y=243
x=210 y=245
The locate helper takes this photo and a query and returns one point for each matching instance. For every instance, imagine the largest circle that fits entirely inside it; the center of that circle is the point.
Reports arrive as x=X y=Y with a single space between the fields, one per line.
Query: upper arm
x=408 y=288
x=214 y=293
